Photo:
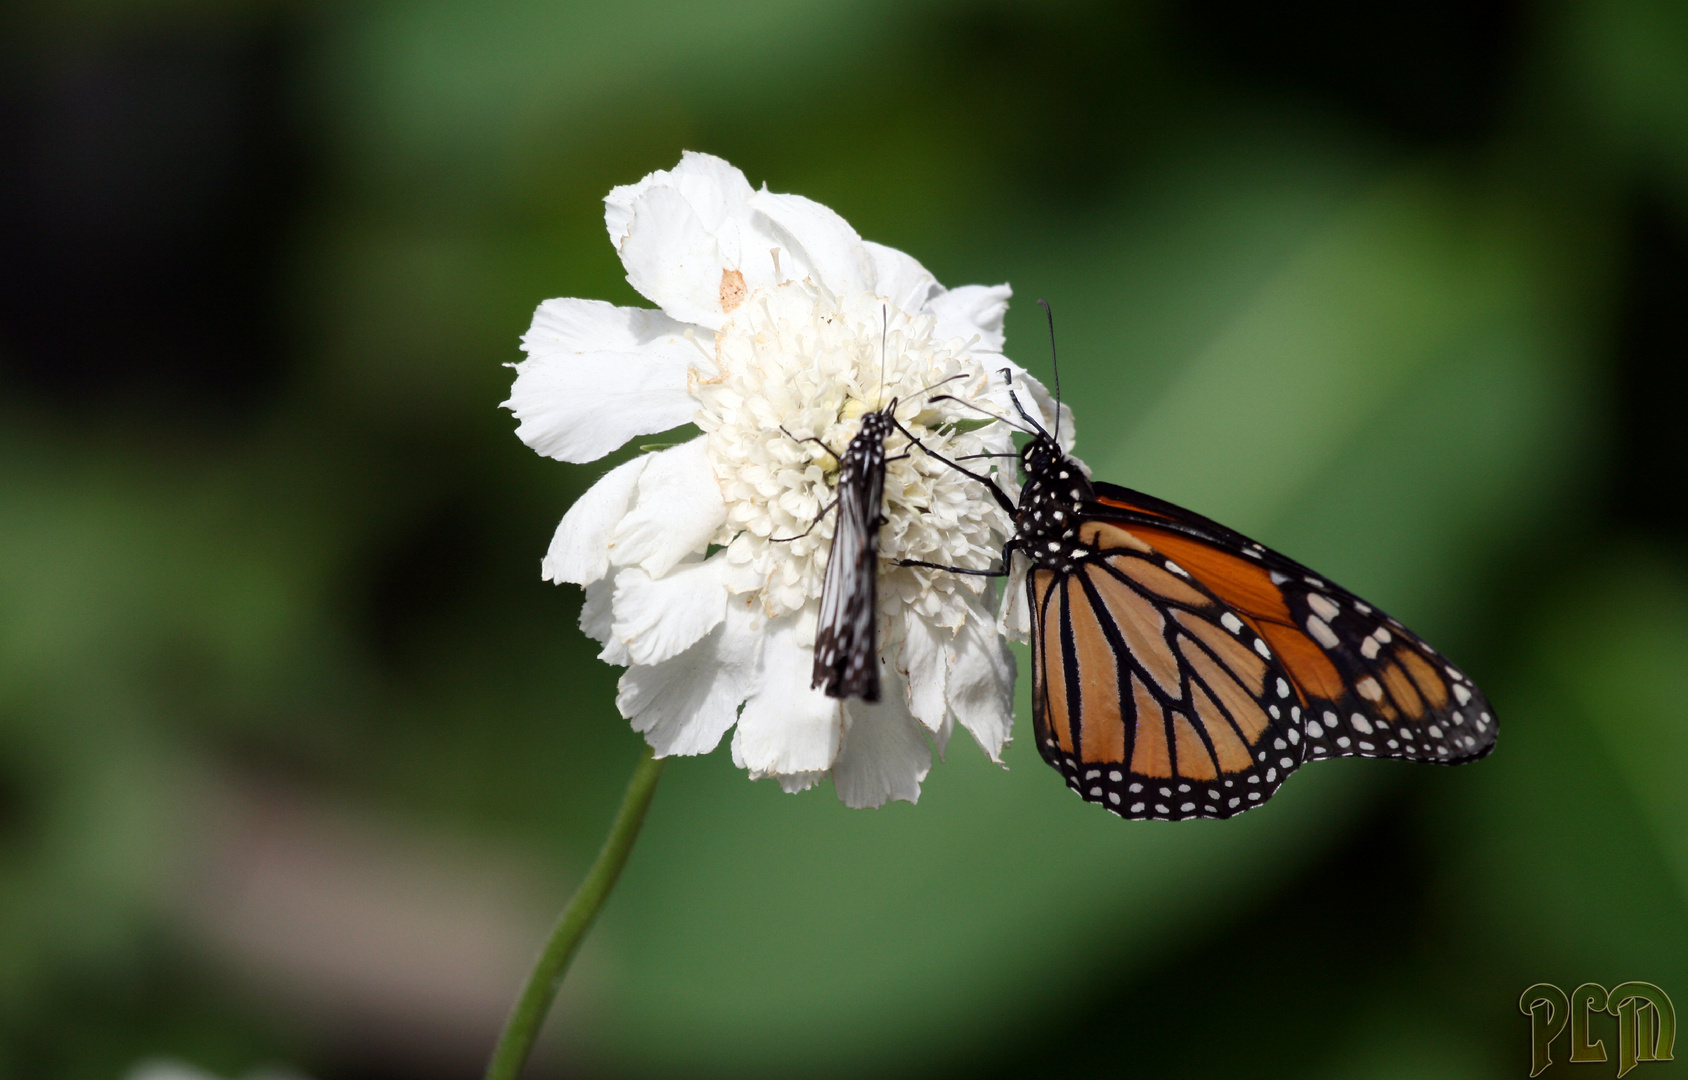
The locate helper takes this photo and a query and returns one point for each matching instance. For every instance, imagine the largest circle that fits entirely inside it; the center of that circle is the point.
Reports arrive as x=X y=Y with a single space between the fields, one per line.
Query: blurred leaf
x=1619 y=645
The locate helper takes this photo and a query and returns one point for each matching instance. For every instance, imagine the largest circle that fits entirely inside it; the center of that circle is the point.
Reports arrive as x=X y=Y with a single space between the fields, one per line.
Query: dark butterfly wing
x=846 y=653
x=1150 y=694
x=1369 y=687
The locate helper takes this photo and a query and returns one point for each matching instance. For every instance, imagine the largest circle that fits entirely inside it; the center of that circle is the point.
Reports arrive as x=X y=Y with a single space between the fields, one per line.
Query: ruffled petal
x=580 y=550
x=597 y=616
x=786 y=727
x=981 y=684
x=921 y=660
x=717 y=192
x=821 y=244
x=659 y=618
x=967 y=310
x=676 y=509
x=941 y=737
x=1014 y=620
x=885 y=755
x=675 y=262
x=792 y=783
x=900 y=278
x=686 y=704
x=597 y=375
x=690 y=240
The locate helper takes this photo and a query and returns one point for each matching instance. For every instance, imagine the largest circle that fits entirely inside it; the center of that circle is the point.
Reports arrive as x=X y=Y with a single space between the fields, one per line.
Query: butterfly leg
x=825 y=510
x=817 y=442
x=997 y=493
x=952 y=569
x=1007 y=553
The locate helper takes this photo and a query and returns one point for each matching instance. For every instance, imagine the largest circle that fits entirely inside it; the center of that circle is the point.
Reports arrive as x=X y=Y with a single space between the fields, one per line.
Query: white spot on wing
x=1321 y=632
x=1321 y=604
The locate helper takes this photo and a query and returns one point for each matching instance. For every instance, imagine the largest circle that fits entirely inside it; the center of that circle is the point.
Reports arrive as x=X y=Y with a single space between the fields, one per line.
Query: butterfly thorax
x=865 y=455
x=1046 y=524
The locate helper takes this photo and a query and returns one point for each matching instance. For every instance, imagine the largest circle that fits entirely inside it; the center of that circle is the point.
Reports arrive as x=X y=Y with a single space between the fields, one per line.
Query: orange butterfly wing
x=1182 y=670
x=1151 y=696
x=1371 y=687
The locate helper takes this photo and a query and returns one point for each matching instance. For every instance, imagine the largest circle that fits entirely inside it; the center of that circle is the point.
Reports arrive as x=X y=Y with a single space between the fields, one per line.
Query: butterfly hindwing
x=1150 y=695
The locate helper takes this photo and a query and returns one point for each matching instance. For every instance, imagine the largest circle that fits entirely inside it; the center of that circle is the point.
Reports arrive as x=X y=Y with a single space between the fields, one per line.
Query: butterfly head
x=878 y=425
x=1041 y=456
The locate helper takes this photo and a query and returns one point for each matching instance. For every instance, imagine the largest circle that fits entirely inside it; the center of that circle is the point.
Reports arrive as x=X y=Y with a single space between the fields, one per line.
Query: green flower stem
x=522 y=1028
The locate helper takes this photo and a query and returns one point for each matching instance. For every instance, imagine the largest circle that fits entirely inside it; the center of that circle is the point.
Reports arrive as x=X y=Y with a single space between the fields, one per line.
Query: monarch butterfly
x=1182 y=670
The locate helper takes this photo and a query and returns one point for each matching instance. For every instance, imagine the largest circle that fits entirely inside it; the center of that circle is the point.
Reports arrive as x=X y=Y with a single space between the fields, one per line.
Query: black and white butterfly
x=846 y=652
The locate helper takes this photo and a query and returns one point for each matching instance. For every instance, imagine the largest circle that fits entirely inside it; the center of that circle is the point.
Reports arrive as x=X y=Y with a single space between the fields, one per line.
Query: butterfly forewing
x=1368 y=687
x=1150 y=695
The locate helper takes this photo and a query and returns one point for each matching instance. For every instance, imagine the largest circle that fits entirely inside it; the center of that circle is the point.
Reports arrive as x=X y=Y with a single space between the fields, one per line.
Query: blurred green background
x=298 y=755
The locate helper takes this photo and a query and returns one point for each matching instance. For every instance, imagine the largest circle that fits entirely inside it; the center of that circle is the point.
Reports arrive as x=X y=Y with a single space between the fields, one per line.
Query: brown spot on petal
x=732 y=290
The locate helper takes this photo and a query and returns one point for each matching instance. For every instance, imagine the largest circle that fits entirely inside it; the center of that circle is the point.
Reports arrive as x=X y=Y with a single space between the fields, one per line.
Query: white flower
x=776 y=321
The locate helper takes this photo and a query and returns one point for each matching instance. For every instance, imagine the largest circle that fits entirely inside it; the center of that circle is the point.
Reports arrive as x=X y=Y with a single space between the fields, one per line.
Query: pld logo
x=1646 y=1022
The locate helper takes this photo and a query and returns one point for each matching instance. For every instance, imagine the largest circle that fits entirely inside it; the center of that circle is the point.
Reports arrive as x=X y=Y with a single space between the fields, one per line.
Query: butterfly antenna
x=994 y=416
x=928 y=389
x=1054 y=367
x=884 y=334
x=1021 y=409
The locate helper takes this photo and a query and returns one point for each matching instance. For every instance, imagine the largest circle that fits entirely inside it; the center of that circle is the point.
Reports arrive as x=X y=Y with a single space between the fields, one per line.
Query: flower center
x=797 y=370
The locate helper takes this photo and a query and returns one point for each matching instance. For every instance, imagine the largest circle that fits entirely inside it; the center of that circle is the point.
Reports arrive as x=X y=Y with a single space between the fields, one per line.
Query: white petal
x=684 y=705
x=1015 y=620
x=597 y=616
x=981 y=685
x=786 y=727
x=580 y=550
x=822 y=244
x=689 y=239
x=885 y=755
x=901 y=279
x=676 y=509
x=972 y=309
x=718 y=194
x=921 y=660
x=658 y=618
x=597 y=375
x=673 y=260
x=792 y=783
x=941 y=737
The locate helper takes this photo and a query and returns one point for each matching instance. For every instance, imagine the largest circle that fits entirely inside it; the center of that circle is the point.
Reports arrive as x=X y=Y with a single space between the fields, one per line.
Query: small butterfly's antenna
x=1053 y=367
x=994 y=416
x=940 y=382
x=884 y=333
